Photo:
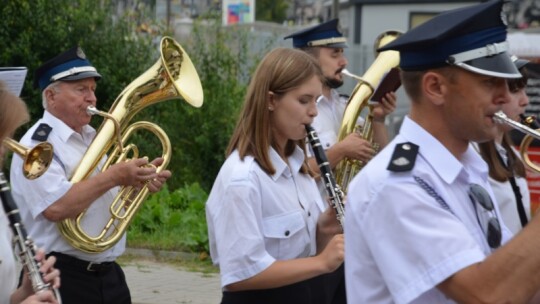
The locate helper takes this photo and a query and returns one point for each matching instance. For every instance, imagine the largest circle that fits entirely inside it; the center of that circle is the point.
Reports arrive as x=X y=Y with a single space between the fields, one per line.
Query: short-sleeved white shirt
x=399 y=240
x=329 y=118
x=255 y=219
x=34 y=196
x=327 y=124
x=8 y=270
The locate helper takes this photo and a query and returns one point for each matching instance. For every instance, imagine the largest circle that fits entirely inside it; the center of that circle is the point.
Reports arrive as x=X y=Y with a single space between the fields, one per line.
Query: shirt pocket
x=286 y=235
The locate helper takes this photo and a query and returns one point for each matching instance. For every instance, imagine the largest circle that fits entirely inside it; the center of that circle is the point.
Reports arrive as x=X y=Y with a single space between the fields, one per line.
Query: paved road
x=152 y=282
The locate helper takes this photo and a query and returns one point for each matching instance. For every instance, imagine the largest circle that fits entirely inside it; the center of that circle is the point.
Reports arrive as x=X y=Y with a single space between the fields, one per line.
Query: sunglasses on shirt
x=486 y=215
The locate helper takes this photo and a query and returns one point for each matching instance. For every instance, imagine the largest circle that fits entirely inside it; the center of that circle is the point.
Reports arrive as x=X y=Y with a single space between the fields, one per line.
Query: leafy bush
x=34 y=31
x=172 y=221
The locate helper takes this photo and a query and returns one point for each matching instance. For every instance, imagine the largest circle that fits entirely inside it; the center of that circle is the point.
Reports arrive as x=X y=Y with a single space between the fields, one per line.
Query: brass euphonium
x=359 y=100
x=173 y=76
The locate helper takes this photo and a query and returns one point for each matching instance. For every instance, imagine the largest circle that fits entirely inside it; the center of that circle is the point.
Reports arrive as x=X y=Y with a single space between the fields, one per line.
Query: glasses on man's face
x=485 y=213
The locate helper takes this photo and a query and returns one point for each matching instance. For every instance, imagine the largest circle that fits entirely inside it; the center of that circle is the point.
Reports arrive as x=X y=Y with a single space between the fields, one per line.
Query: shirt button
x=327 y=145
x=308 y=213
x=287 y=233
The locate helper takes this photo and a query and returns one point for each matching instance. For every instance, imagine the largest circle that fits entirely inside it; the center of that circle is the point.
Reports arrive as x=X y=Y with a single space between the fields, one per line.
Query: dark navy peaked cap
x=69 y=65
x=325 y=34
x=472 y=38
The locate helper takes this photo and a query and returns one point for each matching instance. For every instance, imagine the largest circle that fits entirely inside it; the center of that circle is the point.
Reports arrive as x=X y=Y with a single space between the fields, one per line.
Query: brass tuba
x=359 y=100
x=171 y=77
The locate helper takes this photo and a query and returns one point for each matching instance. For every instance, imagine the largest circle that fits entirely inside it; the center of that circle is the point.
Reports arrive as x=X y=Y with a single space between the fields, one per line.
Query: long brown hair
x=497 y=170
x=280 y=71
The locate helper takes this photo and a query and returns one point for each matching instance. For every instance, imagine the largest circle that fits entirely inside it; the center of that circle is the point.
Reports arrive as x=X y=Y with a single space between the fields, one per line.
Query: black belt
x=81 y=264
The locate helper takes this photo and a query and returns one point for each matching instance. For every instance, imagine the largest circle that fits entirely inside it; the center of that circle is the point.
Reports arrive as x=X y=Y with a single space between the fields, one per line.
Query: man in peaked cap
x=507 y=174
x=422 y=224
x=68 y=83
x=326 y=43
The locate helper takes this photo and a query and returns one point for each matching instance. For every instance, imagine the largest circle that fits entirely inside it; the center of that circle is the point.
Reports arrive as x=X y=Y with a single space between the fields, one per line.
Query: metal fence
x=264 y=36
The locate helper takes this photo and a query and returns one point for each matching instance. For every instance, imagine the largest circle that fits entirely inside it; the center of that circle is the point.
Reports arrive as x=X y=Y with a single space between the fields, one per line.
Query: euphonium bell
x=173 y=76
x=359 y=100
x=36 y=160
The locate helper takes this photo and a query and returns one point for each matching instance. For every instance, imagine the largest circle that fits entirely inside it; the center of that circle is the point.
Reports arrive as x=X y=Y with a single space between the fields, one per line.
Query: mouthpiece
x=347 y=73
x=91 y=110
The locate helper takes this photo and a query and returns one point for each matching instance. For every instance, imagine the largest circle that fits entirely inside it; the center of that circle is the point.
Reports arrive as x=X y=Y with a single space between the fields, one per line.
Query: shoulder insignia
x=403 y=158
x=42 y=132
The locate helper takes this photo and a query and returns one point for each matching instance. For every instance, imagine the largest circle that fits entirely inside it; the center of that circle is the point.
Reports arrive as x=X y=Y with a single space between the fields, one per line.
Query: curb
x=152 y=253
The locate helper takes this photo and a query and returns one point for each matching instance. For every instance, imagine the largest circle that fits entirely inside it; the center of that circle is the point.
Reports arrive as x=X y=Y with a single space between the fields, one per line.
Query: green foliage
x=172 y=221
x=34 y=31
x=271 y=10
x=200 y=135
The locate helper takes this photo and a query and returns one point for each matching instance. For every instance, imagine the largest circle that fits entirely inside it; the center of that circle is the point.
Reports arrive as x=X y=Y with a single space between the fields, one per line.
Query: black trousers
x=85 y=283
x=331 y=287
x=324 y=289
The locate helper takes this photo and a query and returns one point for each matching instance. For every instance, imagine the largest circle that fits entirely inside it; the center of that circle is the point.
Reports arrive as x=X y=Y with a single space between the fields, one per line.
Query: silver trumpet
x=25 y=245
x=501 y=118
x=333 y=190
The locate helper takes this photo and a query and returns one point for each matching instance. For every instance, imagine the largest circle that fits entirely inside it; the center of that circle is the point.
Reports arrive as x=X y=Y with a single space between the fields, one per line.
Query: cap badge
x=504 y=20
x=80 y=53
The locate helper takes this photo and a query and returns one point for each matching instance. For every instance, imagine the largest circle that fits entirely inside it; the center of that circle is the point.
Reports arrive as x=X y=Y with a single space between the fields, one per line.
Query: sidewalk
x=152 y=282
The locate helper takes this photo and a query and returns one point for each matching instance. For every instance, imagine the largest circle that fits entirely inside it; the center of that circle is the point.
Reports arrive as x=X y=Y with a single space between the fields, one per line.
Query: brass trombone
x=530 y=135
x=36 y=160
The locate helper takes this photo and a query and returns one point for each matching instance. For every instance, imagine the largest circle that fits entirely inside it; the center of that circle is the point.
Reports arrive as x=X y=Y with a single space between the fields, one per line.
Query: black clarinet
x=24 y=245
x=333 y=190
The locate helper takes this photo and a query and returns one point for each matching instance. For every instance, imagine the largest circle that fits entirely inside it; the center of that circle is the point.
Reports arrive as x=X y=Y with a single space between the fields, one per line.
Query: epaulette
x=42 y=132
x=403 y=158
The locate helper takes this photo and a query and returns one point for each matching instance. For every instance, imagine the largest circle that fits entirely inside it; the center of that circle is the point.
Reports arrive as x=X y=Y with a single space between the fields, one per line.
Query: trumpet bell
x=36 y=160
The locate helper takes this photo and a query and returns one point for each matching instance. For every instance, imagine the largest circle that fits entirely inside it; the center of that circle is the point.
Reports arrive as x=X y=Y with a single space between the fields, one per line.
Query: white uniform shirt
x=327 y=124
x=328 y=120
x=34 y=196
x=399 y=241
x=8 y=269
x=506 y=199
x=255 y=219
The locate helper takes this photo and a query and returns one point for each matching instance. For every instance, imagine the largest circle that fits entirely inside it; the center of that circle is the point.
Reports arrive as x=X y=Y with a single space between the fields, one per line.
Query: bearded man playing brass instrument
x=68 y=83
x=326 y=43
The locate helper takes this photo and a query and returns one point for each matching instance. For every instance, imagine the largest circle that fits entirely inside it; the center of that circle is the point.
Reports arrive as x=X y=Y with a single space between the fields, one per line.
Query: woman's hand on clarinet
x=51 y=276
x=334 y=253
x=41 y=298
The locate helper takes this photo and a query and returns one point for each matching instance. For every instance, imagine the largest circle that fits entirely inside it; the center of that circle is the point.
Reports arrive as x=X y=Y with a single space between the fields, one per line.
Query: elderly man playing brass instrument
x=68 y=83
